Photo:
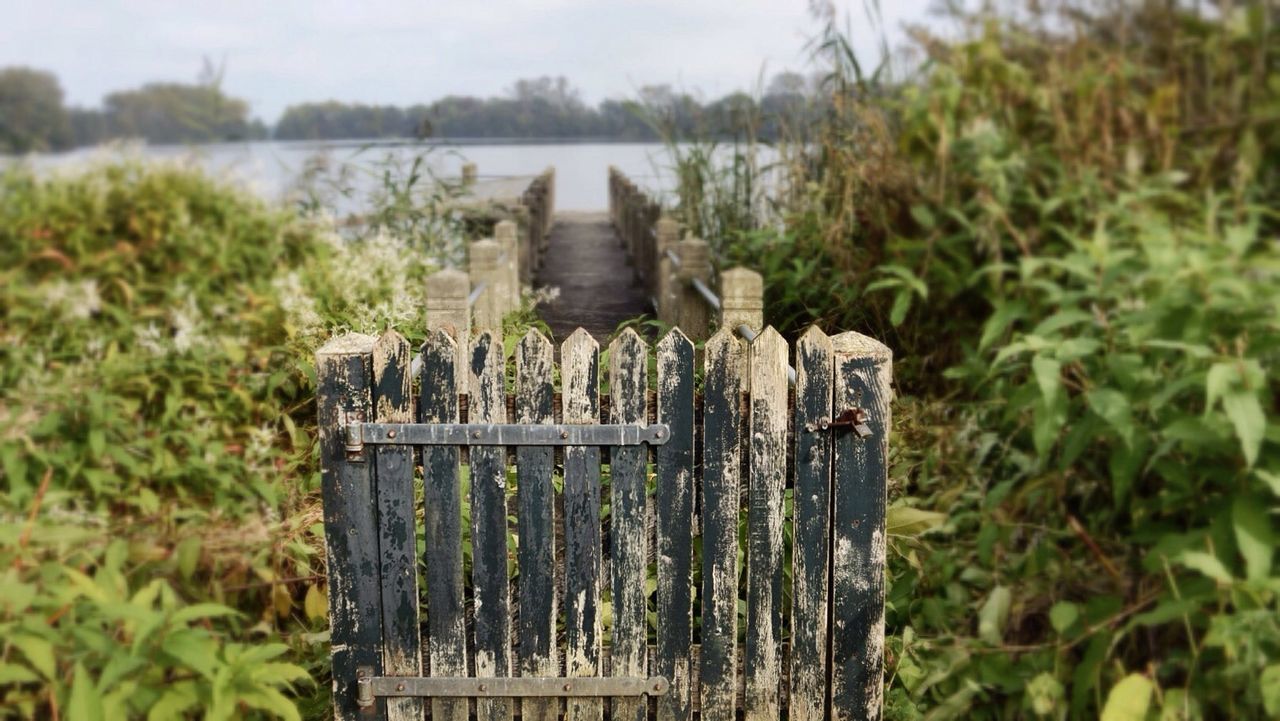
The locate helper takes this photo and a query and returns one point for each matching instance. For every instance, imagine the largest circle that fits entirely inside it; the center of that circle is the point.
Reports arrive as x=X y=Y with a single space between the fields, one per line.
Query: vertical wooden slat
x=489 y=580
x=344 y=376
x=628 y=388
x=537 y=552
x=721 y=475
x=674 y=499
x=442 y=519
x=863 y=374
x=811 y=505
x=580 y=375
x=397 y=543
x=763 y=666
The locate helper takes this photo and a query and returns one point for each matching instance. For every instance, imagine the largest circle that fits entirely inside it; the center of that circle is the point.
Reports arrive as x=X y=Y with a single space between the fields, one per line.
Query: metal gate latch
x=854 y=418
x=369 y=687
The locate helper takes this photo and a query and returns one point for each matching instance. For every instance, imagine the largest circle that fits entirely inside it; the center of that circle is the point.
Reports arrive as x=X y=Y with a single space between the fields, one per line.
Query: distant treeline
x=33 y=115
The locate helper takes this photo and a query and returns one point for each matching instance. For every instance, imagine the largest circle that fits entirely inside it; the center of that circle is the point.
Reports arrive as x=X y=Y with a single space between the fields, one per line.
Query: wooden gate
x=549 y=541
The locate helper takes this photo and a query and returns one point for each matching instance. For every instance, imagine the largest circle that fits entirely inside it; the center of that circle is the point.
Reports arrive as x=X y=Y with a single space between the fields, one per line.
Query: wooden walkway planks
x=598 y=289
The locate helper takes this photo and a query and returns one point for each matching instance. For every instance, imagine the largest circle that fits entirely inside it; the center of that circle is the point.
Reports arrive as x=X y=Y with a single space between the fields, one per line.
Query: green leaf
x=39 y=654
x=994 y=614
x=1063 y=615
x=1048 y=373
x=1245 y=413
x=1129 y=700
x=1207 y=564
x=905 y=521
x=198 y=611
x=1269 y=682
x=84 y=702
x=1113 y=407
x=177 y=698
x=901 y=304
x=272 y=701
x=1253 y=536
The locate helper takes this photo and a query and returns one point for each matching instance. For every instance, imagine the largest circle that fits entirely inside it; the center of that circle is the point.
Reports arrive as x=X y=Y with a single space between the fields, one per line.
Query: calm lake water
x=273 y=168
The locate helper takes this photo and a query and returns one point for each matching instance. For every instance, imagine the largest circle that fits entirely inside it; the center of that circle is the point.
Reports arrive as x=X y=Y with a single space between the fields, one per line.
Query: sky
x=279 y=52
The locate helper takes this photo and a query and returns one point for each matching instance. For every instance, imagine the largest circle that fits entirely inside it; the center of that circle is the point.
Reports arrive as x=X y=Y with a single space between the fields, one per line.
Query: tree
x=32 y=116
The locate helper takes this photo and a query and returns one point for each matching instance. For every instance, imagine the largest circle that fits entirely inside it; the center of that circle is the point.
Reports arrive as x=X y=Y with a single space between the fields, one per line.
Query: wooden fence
x=599 y=568
x=678 y=273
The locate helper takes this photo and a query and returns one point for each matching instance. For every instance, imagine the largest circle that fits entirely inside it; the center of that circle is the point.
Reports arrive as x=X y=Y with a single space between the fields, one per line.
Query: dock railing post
x=741 y=299
x=505 y=232
x=469 y=173
x=668 y=234
x=692 y=313
x=447 y=309
x=487 y=275
x=528 y=252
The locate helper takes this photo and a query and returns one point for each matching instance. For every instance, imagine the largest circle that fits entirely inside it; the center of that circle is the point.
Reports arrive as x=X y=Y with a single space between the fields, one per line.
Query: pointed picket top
x=534 y=371
x=674 y=340
x=438 y=343
x=812 y=341
x=486 y=379
x=852 y=343
x=628 y=376
x=347 y=344
x=392 y=381
x=769 y=362
x=580 y=377
x=724 y=347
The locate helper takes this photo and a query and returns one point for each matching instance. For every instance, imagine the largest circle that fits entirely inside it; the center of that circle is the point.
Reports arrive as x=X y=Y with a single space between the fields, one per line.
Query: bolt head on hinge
x=353 y=439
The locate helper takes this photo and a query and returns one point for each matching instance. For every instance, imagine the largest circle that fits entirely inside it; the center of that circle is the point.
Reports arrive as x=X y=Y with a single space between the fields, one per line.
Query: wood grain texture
x=397 y=544
x=536 y=557
x=489 y=581
x=674 y=500
x=721 y=477
x=764 y=525
x=811 y=510
x=628 y=389
x=863 y=376
x=344 y=377
x=580 y=376
x=442 y=519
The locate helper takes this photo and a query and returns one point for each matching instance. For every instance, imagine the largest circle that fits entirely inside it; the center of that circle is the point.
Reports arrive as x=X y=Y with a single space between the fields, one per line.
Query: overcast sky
x=279 y=52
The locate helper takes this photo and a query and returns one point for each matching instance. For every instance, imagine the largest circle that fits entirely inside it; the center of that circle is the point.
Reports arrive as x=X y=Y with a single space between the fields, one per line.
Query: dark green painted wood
x=580 y=373
x=489 y=581
x=397 y=543
x=628 y=373
x=344 y=376
x=859 y=482
x=721 y=475
x=811 y=510
x=536 y=635
x=674 y=500
x=442 y=516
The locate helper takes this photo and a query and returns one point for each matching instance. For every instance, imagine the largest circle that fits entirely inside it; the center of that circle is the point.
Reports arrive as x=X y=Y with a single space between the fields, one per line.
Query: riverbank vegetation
x=160 y=532
x=1065 y=224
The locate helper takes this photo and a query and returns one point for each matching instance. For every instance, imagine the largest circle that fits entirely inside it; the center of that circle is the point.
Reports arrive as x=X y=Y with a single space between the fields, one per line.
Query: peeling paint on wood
x=764 y=525
x=442 y=515
x=537 y=553
x=580 y=375
x=721 y=477
x=628 y=386
x=402 y=643
x=344 y=376
x=863 y=374
x=489 y=581
x=674 y=500
x=811 y=507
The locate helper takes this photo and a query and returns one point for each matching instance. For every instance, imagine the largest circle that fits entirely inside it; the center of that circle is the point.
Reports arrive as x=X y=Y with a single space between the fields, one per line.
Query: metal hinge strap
x=356 y=435
x=369 y=687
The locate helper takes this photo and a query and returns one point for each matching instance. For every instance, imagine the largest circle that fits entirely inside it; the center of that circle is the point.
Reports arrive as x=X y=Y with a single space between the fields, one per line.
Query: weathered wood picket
x=607 y=583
